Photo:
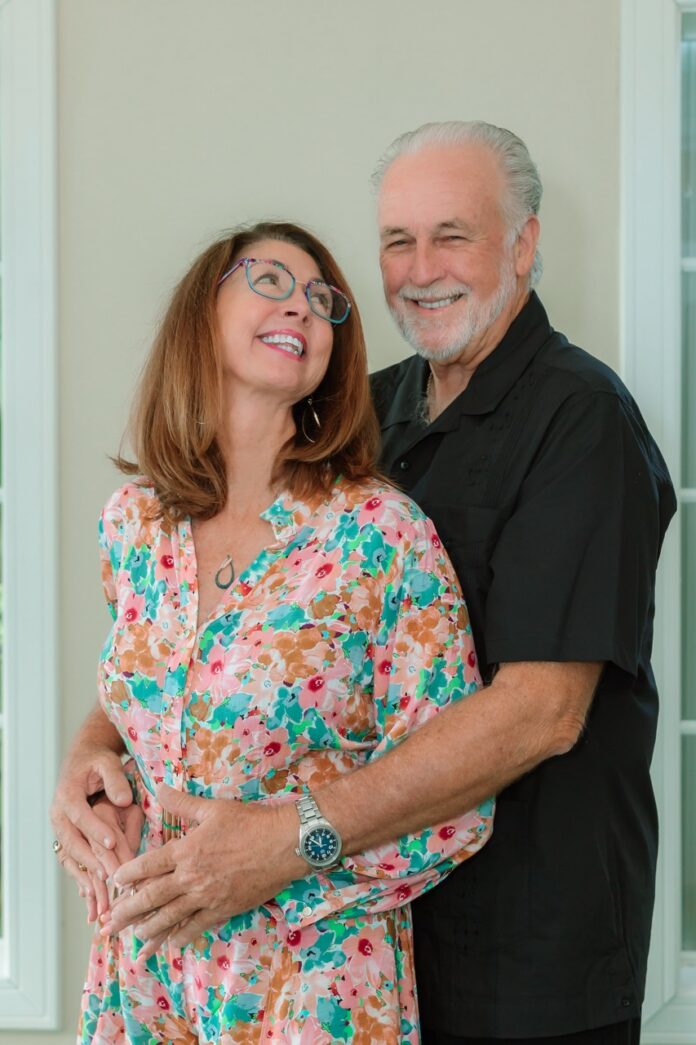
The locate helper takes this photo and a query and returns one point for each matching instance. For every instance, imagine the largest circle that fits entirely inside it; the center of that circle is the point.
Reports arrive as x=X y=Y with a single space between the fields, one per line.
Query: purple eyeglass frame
x=295 y=282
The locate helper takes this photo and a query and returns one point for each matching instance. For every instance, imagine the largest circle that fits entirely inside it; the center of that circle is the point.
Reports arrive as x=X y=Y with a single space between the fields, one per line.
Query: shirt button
x=625 y=1002
x=306 y=912
x=404 y=466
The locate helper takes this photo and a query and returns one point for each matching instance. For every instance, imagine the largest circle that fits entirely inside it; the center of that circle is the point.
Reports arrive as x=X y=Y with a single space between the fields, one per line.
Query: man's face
x=448 y=259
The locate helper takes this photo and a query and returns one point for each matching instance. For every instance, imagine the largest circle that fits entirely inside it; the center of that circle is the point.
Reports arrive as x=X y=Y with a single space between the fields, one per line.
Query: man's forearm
x=97 y=731
x=466 y=754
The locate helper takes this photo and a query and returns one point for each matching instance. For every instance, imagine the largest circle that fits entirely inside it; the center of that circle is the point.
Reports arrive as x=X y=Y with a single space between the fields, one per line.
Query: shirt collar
x=287 y=516
x=495 y=376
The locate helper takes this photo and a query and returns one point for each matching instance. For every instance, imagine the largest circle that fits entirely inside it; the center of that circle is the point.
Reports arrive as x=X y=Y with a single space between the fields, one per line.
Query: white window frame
x=28 y=954
x=651 y=365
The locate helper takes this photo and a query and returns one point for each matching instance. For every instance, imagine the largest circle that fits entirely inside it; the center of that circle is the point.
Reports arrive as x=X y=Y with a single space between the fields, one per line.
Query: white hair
x=520 y=172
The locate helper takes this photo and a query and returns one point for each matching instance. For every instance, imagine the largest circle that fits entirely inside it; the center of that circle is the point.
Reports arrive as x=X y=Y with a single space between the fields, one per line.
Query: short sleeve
x=573 y=569
x=424 y=660
x=110 y=551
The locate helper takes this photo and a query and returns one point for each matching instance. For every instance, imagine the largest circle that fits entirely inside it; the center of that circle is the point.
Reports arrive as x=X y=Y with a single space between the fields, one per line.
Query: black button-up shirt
x=552 y=500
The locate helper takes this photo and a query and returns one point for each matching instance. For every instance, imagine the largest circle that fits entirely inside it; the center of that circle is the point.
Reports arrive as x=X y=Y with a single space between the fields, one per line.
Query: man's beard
x=478 y=317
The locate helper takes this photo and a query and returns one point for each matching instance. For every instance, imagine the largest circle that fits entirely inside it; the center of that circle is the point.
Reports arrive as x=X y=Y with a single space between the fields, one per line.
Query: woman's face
x=259 y=336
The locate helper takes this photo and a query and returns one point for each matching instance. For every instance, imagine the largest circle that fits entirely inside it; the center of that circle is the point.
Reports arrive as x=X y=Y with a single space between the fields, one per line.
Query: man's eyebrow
x=453 y=223
x=456 y=224
x=393 y=230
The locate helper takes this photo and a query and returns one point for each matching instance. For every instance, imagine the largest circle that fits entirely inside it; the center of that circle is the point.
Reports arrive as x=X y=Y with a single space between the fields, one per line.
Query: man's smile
x=433 y=303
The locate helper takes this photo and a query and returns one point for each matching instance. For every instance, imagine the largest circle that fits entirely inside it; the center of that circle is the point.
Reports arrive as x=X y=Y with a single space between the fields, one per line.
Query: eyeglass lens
x=273 y=281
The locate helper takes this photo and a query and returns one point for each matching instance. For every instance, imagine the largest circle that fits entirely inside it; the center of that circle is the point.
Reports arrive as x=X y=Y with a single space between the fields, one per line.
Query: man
x=552 y=500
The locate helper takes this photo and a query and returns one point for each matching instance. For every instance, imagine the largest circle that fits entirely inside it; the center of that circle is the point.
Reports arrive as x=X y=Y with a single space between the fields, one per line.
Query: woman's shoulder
x=132 y=504
x=381 y=502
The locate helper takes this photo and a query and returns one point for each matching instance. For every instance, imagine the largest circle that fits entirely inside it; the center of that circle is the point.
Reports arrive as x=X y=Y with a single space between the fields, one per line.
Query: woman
x=281 y=615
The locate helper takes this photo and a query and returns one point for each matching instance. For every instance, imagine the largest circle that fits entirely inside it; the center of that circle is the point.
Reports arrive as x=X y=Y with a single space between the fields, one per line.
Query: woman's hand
x=237 y=856
x=126 y=825
x=93 y=764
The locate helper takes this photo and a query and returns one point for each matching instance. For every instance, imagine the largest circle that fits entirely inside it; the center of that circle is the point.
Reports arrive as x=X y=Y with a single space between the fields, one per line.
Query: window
x=688 y=480
x=29 y=519
x=659 y=355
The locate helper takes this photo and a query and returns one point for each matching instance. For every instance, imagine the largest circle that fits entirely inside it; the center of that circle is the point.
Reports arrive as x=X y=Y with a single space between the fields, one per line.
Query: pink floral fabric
x=344 y=635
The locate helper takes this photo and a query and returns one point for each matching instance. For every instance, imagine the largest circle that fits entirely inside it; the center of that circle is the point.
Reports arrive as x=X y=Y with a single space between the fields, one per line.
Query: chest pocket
x=469 y=533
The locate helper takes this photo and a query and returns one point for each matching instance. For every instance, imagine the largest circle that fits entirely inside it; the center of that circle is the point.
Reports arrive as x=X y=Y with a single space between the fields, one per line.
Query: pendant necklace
x=222 y=579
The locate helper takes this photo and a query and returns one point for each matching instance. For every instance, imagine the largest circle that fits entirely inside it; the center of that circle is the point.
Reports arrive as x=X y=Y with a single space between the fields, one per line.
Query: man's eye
x=396 y=243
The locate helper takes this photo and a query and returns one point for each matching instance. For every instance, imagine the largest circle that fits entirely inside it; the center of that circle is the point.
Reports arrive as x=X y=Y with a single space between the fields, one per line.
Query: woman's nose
x=297 y=304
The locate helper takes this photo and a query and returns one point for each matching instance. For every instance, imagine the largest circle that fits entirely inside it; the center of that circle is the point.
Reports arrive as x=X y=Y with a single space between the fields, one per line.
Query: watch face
x=321 y=846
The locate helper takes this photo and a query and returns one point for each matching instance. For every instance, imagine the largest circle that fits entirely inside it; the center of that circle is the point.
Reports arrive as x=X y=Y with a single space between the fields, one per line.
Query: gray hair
x=518 y=167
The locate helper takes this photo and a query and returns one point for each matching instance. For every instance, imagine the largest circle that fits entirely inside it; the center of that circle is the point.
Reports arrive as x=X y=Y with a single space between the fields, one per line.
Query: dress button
x=404 y=466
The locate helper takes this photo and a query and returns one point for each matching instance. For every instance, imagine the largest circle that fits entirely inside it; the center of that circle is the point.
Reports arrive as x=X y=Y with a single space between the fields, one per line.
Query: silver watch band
x=308 y=810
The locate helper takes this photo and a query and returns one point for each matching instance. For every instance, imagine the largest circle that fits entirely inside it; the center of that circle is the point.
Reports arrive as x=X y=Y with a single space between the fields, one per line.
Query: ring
x=133 y=890
x=56 y=846
x=81 y=867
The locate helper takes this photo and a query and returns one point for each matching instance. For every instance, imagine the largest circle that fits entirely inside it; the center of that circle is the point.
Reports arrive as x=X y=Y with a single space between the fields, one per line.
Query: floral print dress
x=344 y=635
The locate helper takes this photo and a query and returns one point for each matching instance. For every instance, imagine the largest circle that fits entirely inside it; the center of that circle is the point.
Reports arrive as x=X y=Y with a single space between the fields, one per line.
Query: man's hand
x=92 y=765
x=236 y=857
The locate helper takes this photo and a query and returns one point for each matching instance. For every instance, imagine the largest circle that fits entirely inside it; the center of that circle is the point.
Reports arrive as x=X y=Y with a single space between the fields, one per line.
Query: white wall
x=180 y=118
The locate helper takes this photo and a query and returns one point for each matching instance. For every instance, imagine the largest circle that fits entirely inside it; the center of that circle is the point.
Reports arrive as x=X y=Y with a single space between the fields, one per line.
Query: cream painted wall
x=179 y=118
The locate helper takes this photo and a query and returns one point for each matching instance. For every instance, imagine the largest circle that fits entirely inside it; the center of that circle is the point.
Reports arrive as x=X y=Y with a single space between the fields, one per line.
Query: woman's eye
x=267 y=277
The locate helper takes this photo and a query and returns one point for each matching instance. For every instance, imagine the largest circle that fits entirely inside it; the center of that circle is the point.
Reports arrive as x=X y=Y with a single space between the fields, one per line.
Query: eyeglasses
x=271 y=279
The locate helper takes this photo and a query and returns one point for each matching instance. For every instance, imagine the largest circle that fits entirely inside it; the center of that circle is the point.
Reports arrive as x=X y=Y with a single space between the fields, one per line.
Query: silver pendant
x=222 y=581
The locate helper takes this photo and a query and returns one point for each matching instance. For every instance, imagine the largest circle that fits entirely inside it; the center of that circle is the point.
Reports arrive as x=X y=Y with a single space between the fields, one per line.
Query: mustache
x=433 y=292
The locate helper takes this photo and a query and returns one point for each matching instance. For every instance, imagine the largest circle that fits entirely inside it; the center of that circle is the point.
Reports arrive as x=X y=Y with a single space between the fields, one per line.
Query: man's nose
x=426 y=265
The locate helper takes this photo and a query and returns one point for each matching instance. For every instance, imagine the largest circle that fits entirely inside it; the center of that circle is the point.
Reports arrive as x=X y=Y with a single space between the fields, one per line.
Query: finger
x=74 y=845
x=116 y=784
x=106 y=859
x=191 y=928
x=130 y=908
x=149 y=865
x=75 y=871
x=79 y=814
x=165 y=919
x=151 y=946
x=188 y=807
x=132 y=820
x=101 y=896
x=123 y=851
x=91 y=908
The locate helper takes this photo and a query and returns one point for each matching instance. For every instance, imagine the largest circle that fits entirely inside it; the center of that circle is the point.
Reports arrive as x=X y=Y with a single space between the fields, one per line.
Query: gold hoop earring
x=315 y=417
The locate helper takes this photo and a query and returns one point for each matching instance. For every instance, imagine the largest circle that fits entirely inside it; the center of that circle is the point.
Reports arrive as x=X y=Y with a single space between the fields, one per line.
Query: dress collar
x=287 y=515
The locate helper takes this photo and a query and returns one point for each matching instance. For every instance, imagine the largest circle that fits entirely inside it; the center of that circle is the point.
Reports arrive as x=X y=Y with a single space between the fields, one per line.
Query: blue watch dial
x=321 y=845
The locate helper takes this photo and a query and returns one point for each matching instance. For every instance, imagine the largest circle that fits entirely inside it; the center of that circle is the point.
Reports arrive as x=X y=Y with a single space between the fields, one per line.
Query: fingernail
x=107 y=842
x=103 y=917
x=105 y=930
x=101 y=875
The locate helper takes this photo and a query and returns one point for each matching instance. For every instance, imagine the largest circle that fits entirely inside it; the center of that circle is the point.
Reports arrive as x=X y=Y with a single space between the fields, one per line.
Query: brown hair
x=177 y=411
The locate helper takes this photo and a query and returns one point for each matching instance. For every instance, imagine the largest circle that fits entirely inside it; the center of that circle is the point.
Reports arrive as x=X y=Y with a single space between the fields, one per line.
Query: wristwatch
x=319 y=843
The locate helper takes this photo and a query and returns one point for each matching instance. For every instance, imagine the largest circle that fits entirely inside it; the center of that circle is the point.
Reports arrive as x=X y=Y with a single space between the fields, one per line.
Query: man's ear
x=526 y=244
